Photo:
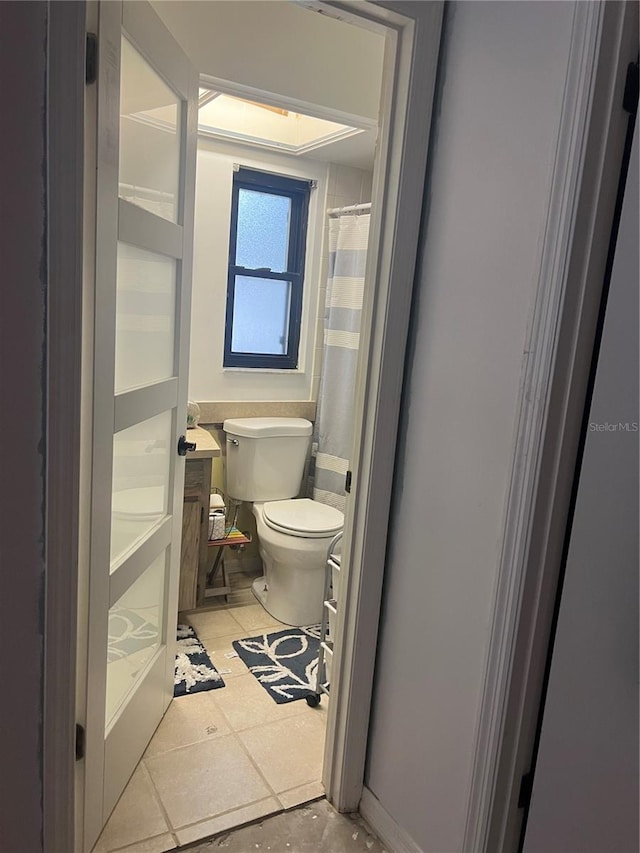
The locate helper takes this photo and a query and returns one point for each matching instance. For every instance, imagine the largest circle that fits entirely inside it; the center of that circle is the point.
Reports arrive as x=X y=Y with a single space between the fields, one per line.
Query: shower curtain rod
x=351 y=208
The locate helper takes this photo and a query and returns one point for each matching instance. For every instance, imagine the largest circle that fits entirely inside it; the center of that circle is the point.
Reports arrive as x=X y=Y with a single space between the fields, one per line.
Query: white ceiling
x=357 y=151
x=320 y=60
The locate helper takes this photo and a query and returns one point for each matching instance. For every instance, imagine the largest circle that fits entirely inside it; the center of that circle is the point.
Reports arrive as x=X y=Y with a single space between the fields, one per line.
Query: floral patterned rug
x=284 y=662
x=194 y=670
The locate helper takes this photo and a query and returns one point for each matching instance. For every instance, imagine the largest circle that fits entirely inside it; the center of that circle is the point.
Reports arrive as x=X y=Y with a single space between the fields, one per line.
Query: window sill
x=287 y=371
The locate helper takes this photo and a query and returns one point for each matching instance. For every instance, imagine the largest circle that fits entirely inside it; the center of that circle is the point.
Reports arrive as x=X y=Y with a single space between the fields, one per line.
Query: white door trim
x=551 y=404
x=409 y=75
x=65 y=125
x=533 y=409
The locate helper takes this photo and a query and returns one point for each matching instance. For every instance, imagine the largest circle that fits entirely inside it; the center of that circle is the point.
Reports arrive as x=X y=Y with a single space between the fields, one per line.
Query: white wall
x=287 y=50
x=208 y=380
x=500 y=97
x=258 y=43
x=585 y=789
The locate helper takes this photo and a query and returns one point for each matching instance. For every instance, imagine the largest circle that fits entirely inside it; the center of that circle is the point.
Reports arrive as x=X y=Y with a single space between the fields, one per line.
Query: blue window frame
x=269 y=215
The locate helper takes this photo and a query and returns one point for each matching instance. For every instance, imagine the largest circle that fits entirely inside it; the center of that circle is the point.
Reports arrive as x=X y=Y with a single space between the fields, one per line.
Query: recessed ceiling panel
x=229 y=117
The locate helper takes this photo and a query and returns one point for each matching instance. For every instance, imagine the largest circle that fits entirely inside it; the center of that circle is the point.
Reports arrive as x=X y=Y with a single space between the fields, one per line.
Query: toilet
x=265 y=464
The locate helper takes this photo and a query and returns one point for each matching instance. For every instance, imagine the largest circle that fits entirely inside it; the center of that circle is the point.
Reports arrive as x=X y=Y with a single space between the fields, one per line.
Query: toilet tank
x=266 y=457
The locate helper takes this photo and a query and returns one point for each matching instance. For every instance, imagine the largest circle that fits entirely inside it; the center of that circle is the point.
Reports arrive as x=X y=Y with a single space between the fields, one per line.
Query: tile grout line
x=173 y=830
x=255 y=766
x=232 y=730
x=134 y=844
x=262 y=723
x=229 y=609
x=185 y=746
x=246 y=750
x=225 y=814
x=156 y=793
x=265 y=629
x=304 y=785
x=273 y=795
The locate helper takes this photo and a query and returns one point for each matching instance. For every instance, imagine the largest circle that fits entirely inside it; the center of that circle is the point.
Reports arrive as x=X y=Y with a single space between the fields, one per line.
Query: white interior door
x=147 y=95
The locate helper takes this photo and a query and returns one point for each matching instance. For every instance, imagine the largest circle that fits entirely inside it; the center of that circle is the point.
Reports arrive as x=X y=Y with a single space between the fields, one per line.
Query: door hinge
x=526 y=789
x=347 y=483
x=631 y=89
x=91 y=58
x=201 y=515
x=80 y=741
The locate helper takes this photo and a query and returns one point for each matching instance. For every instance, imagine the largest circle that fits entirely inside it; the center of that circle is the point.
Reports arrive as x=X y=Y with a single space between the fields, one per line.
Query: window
x=266 y=270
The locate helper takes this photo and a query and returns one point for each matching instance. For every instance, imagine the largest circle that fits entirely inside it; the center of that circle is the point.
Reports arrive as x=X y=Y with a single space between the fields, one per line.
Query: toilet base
x=260 y=591
x=283 y=608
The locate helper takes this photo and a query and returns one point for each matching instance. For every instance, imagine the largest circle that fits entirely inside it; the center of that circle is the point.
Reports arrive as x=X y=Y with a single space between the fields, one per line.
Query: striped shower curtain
x=333 y=434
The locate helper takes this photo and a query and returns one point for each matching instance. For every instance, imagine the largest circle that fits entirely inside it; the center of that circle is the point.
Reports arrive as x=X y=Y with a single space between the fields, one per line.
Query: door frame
x=65 y=185
x=554 y=385
x=408 y=85
x=412 y=46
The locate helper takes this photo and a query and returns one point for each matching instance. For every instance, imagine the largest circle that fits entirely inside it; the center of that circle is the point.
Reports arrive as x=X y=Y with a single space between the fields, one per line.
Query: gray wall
x=497 y=121
x=585 y=794
x=23 y=39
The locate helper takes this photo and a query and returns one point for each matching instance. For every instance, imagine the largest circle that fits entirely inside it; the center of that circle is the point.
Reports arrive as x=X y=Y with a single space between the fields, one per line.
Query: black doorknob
x=184 y=446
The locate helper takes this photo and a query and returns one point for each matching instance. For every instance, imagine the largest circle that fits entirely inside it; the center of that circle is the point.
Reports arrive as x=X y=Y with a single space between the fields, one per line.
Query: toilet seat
x=303 y=517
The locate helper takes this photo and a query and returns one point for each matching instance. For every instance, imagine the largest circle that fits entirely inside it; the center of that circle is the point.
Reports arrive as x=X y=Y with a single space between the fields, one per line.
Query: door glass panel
x=145 y=317
x=260 y=315
x=149 y=137
x=263 y=230
x=141 y=463
x=134 y=633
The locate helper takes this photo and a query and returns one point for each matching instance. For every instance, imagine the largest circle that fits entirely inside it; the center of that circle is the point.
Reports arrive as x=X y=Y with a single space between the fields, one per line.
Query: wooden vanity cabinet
x=195 y=519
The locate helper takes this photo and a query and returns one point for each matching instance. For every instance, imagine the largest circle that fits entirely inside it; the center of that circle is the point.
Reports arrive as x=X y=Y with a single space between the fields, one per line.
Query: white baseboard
x=392 y=835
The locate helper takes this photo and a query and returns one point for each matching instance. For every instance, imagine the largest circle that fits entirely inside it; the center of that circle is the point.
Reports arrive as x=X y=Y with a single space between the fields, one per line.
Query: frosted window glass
x=149 y=171
x=263 y=230
x=141 y=462
x=145 y=317
x=260 y=315
x=134 y=633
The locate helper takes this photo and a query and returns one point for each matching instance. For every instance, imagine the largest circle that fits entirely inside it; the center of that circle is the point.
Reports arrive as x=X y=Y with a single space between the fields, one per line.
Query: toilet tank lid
x=266 y=427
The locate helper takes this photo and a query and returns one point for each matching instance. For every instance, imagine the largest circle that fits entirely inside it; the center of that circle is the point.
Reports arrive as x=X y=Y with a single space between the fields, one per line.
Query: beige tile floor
x=222 y=758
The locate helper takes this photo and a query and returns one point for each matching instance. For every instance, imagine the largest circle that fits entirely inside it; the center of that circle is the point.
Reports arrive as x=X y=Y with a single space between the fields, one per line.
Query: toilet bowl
x=264 y=466
x=293 y=538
